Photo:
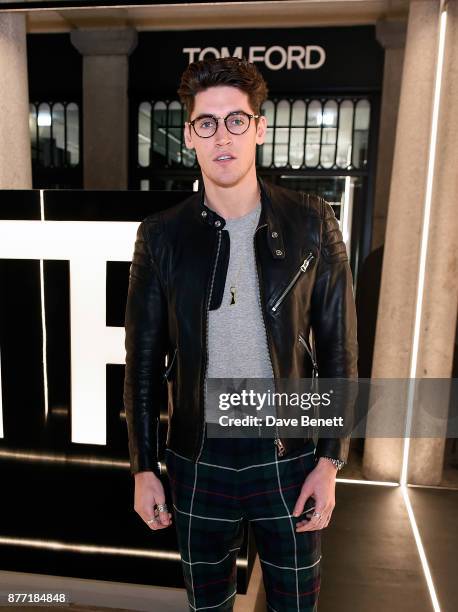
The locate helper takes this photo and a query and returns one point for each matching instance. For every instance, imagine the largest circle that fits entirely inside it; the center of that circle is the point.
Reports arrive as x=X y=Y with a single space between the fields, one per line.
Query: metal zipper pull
x=306 y=262
x=280 y=448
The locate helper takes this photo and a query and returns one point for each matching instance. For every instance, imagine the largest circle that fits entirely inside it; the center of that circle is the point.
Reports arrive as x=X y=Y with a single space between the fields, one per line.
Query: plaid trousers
x=238 y=480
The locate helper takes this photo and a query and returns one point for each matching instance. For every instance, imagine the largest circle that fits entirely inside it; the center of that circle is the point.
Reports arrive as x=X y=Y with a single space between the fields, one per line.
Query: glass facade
x=319 y=134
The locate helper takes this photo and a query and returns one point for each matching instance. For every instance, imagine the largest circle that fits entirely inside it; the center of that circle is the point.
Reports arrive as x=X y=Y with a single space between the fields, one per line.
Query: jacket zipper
x=312 y=356
x=303 y=268
x=278 y=443
x=203 y=385
x=169 y=368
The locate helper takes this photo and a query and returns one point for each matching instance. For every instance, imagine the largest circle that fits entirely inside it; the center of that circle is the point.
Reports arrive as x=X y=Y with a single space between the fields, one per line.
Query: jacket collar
x=208 y=215
x=267 y=218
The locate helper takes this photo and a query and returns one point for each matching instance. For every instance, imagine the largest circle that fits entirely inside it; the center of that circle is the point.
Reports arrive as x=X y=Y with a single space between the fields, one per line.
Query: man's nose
x=222 y=134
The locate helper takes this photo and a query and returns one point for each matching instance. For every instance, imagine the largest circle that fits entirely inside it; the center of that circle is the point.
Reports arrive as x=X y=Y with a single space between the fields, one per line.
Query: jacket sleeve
x=333 y=322
x=145 y=344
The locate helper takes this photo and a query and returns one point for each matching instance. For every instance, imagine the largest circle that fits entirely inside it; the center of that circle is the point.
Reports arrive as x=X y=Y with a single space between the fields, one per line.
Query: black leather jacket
x=178 y=272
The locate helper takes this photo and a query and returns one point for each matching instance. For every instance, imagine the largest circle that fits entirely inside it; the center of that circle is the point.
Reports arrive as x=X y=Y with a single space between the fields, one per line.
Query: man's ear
x=261 y=129
x=188 y=136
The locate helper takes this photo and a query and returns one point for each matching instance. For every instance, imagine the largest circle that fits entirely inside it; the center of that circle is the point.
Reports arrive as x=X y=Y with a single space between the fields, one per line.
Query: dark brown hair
x=232 y=71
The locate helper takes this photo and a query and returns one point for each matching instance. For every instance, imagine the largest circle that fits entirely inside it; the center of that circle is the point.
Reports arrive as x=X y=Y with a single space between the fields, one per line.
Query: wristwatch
x=337 y=463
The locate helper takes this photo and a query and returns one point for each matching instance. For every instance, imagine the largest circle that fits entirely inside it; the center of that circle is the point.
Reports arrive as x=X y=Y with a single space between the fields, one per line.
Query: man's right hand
x=148 y=492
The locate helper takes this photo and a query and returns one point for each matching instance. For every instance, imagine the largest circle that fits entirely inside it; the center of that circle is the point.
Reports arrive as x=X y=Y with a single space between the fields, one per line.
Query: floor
x=370 y=561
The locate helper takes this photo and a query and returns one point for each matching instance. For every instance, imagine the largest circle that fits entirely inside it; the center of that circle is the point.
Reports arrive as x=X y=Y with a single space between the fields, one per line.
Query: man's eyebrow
x=202 y=115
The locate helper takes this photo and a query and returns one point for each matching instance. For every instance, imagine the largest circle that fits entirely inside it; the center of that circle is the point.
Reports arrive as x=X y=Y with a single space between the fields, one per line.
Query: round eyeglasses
x=236 y=122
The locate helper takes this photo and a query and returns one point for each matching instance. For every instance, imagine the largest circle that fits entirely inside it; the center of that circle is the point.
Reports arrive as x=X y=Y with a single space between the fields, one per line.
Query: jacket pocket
x=311 y=353
x=302 y=268
x=168 y=374
x=170 y=409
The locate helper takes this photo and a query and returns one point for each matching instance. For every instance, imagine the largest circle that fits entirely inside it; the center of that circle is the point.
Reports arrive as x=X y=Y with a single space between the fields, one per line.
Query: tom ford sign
x=274 y=57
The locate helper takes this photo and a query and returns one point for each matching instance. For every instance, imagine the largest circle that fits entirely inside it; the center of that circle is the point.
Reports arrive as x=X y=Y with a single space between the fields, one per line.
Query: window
x=321 y=134
x=55 y=134
x=160 y=136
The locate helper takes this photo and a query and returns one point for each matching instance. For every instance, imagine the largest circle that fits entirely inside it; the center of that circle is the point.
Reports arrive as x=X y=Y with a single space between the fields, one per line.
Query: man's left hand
x=321 y=484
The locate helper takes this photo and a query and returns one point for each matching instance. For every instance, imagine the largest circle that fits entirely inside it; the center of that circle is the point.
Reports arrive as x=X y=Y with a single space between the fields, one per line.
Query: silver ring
x=152 y=520
x=162 y=507
x=318 y=514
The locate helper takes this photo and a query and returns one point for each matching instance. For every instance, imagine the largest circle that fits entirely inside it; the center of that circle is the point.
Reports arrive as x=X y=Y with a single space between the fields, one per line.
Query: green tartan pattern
x=235 y=481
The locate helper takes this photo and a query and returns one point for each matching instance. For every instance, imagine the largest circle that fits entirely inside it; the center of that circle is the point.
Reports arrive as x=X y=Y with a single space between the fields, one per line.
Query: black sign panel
x=292 y=60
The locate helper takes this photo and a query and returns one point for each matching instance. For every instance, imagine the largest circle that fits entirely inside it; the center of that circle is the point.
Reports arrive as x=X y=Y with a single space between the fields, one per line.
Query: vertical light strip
x=346 y=217
x=421 y=550
x=424 y=242
x=43 y=314
x=419 y=305
x=1 y=400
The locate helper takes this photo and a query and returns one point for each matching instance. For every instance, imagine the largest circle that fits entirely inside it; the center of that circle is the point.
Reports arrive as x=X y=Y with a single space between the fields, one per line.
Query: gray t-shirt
x=237 y=343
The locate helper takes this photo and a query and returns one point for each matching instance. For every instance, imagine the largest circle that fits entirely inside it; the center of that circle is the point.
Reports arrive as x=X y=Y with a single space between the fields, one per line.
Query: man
x=229 y=283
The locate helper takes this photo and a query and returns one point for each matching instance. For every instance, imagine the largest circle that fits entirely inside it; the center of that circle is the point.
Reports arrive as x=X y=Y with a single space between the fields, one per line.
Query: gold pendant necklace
x=233 y=286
